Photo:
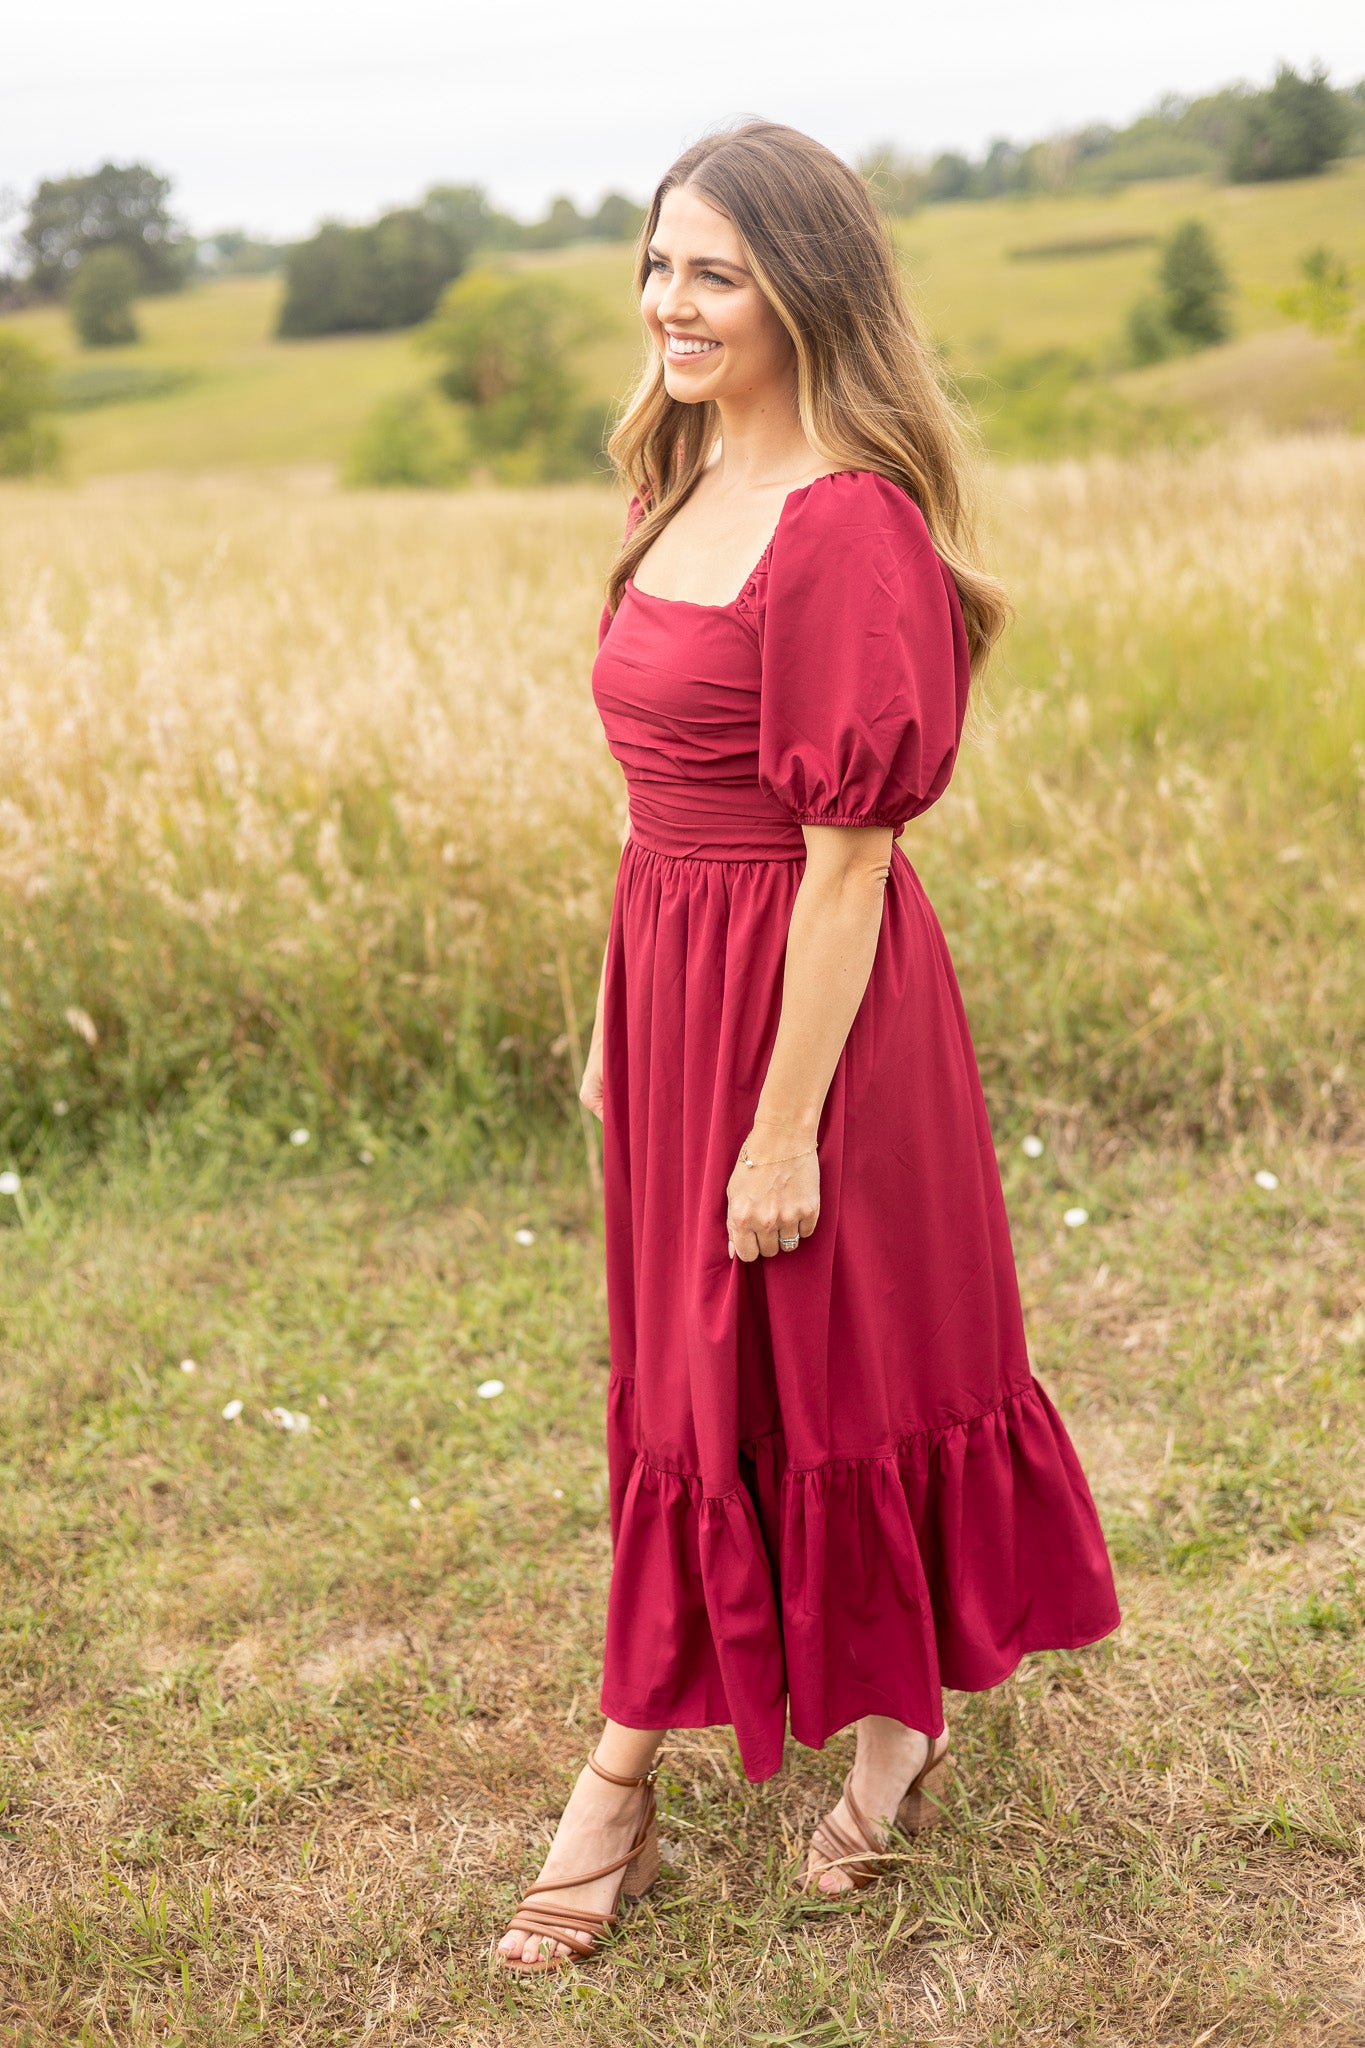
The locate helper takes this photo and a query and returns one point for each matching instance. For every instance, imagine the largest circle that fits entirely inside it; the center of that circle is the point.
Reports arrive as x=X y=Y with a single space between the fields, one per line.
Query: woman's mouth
x=688 y=348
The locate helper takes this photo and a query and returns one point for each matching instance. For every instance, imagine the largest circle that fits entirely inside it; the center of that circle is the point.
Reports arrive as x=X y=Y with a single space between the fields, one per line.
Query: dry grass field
x=306 y=824
x=307 y=819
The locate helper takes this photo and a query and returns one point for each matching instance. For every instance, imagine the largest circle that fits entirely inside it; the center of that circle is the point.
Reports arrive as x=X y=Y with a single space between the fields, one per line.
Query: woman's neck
x=762 y=442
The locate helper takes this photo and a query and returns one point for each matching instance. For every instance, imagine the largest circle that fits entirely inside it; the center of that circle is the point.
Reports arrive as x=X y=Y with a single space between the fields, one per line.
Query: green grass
x=255 y=401
x=248 y=401
x=278 y=1749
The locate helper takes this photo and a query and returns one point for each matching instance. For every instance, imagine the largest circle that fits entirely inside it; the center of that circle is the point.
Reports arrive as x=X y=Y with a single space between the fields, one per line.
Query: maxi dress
x=836 y=1485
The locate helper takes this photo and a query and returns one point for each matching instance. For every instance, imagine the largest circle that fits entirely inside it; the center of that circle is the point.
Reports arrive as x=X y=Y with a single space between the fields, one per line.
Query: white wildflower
x=299 y=1137
x=415 y=1503
x=83 y=1024
x=488 y=1390
x=524 y=1236
x=9 y=1183
x=1033 y=1147
x=558 y=1492
x=1267 y=1180
x=189 y=1365
x=61 y=1108
x=1074 y=1218
x=232 y=1411
x=366 y=1156
x=288 y=1418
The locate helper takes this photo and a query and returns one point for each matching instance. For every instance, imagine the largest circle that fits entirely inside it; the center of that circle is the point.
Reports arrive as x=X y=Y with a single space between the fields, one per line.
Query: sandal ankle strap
x=612 y=1779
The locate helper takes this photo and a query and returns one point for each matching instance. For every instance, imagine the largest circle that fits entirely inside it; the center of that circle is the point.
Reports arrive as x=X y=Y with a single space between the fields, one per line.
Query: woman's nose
x=676 y=303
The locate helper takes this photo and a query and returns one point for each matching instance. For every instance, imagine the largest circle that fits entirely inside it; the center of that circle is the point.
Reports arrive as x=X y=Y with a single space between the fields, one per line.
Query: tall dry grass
x=305 y=814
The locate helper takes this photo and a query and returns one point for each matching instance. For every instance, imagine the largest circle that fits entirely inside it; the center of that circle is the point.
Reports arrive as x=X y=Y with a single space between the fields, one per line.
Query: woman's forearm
x=831 y=945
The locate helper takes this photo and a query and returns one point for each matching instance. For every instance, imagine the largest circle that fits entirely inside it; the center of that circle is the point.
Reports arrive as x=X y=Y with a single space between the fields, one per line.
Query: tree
x=505 y=342
x=121 y=206
x=950 y=177
x=100 y=298
x=562 y=224
x=465 y=212
x=1190 y=309
x=1293 y=131
x=1194 y=286
x=28 y=440
x=617 y=219
x=388 y=274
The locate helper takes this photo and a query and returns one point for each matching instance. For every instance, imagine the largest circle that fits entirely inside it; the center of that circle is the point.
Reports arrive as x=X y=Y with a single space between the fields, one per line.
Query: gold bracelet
x=784 y=1160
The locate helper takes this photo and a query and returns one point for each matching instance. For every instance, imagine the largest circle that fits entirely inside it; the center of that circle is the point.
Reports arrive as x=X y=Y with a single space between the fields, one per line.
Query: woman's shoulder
x=857 y=506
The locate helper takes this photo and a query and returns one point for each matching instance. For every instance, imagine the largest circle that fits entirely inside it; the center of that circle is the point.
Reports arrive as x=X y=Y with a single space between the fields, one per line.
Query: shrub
x=405 y=442
x=1150 y=338
x=1293 y=131
x=505 y=342
x=1323 y=300
x=28 y=440
x=101 y=299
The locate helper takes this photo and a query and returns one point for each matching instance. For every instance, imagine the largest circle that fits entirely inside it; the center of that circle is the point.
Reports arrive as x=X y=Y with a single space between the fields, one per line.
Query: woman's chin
x=685 y=386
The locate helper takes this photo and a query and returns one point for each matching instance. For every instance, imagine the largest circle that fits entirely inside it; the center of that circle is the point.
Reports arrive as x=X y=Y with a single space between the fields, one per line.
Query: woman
x=836 y=1485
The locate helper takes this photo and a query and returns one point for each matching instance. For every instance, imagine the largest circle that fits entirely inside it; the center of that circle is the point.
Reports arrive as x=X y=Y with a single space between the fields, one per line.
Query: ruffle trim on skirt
x=862 y=1586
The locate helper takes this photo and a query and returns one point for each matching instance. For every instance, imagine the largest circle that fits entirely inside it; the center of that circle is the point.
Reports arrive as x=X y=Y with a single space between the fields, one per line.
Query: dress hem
x=628 y=1716
x=860 y=1585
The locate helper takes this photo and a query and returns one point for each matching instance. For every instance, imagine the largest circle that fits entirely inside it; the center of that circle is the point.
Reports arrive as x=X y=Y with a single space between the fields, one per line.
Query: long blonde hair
x=867 y=390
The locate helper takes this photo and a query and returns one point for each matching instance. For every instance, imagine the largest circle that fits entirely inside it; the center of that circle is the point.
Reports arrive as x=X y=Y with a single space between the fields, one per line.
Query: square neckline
x=690 y=604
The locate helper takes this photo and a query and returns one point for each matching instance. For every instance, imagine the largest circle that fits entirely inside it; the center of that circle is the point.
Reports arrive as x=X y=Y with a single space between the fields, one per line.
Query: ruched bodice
x=679 y=690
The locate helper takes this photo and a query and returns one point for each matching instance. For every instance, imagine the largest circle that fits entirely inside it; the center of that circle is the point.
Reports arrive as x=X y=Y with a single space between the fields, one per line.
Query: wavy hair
x=867 y=387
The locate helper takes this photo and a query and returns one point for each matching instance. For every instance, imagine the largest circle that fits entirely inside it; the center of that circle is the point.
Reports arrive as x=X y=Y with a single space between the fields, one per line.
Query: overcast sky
x=272 y=113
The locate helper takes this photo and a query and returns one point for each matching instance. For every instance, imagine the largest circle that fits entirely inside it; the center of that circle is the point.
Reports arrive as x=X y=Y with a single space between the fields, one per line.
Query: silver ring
x=789 y=1244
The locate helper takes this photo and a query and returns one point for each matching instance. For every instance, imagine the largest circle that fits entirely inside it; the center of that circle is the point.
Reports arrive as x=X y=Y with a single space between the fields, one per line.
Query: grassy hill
x=210 y=388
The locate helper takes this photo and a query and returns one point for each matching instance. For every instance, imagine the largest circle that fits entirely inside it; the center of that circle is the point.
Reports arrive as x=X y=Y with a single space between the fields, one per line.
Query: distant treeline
x=391 y=272
x=383 y=273
x=1292 y=129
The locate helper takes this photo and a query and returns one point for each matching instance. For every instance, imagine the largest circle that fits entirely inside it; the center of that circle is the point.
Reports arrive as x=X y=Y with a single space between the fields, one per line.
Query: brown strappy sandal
x=575 y=1927
x=862 y=1856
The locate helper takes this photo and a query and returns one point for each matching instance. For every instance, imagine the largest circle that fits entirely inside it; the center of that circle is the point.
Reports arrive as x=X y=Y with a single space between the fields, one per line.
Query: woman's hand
x=775 y=1197
x=590 y=1087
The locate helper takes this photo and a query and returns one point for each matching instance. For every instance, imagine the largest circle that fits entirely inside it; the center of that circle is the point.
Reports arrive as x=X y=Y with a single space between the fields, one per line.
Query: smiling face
x=718 y=335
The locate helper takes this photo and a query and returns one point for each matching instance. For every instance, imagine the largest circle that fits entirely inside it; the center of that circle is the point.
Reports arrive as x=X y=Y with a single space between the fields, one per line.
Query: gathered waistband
x=712 y=821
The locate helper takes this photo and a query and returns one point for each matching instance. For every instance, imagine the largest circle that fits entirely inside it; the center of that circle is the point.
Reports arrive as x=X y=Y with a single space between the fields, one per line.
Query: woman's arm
x=590 y=1087
x=831 y=944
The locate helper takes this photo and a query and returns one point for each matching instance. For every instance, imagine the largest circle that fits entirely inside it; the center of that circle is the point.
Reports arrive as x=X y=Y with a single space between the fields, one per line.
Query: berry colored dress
x=836 y=1484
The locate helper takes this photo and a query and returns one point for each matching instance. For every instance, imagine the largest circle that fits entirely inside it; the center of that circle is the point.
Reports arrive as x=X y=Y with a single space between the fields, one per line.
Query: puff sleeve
x=864 y=658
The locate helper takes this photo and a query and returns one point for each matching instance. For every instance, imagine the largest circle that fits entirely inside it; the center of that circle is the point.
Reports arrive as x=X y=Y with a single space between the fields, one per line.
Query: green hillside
x=209 y=388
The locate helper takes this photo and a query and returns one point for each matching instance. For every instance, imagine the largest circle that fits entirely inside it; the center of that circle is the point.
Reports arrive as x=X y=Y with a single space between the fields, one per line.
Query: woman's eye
x=656 y=264
x=714 y=277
